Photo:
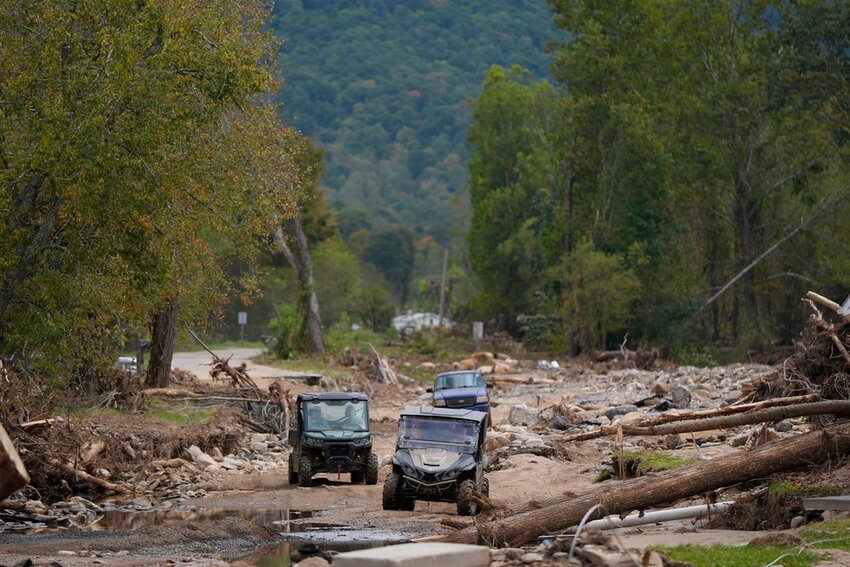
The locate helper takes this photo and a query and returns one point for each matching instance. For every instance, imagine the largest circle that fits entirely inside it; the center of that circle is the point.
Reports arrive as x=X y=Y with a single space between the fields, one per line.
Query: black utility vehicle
x=330 y=433
x=439 y=457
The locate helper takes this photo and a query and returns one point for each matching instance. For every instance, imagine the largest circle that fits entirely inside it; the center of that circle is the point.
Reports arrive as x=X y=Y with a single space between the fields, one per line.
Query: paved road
x=199 y=363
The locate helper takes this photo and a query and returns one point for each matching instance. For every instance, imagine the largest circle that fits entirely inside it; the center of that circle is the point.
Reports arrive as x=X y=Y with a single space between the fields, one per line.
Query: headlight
x=410 y=471
x=362 y=441
x=439 y=402
x=482 y=399
x=448 y=475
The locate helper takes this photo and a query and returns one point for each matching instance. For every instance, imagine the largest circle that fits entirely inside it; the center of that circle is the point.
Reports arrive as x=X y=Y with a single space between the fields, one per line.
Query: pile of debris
x=372 y=366
x=487 y=363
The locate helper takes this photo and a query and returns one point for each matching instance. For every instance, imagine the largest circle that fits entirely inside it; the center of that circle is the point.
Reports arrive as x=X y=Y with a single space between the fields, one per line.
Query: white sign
x=243 y=318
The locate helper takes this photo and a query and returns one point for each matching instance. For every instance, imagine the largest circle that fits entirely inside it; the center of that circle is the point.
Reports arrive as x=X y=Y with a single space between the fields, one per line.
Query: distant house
x=412 y=322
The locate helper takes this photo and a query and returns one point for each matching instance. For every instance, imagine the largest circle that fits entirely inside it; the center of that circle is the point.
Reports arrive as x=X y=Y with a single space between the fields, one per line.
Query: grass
x=654 y=461
x=777 y=489
x=739 y=556
x=830 y=534
x=183 y=415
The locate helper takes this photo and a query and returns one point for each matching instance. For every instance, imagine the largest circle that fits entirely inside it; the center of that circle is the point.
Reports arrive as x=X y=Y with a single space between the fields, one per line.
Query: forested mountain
x=383 y=86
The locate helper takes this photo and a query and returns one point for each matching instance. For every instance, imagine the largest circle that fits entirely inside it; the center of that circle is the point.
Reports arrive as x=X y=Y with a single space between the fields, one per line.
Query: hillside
x=383 y=86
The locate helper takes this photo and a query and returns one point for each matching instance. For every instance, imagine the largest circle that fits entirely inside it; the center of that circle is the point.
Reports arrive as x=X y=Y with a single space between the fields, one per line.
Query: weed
x=738 y=556
x=781 y=488
x=639 y=463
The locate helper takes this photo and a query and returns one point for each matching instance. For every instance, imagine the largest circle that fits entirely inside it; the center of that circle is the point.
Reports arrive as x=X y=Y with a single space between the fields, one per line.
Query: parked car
x=461 y=389
x=439 y=457
x=329 y=432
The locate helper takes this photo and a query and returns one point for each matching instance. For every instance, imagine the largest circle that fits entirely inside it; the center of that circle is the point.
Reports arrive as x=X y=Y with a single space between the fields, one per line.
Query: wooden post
x=13 y=474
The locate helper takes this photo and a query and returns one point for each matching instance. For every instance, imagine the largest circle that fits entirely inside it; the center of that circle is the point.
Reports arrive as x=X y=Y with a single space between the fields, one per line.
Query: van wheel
x=305 y=473
x=390 y=500
x=466 y=506
x=293 y=472
x=372 y=469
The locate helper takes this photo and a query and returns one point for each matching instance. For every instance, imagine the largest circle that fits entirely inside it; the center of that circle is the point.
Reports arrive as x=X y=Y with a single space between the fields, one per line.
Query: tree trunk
x=13 y=474
x=162 y=346
x=644 y=492
x=303 y=266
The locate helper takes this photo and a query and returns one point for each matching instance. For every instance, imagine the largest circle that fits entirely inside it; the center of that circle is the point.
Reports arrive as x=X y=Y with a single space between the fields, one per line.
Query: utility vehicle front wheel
x=392 y=486
x=466 y=505
x=372 y=469
x=305 y=472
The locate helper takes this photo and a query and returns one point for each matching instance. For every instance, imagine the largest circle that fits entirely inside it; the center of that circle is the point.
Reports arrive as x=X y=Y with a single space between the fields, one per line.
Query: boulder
x=680 y=397
x=522 y=414
x=200 y=457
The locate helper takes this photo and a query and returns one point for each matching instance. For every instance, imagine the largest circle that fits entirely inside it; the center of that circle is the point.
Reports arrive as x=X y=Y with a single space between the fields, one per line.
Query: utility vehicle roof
x=318 y=397
x=445 y=413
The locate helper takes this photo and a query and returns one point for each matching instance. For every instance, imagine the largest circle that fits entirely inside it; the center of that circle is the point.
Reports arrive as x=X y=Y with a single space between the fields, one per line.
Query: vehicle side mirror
x=429 y=390
x=491 y=384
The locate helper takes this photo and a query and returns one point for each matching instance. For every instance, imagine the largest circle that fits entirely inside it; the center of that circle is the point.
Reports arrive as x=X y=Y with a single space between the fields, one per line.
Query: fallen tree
x=662 y=488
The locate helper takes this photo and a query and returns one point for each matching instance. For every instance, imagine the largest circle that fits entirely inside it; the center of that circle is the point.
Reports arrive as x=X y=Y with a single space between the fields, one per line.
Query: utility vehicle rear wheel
x=466 y=506
x=392 y=484
x=305 y=472
x=372 y=469
x=293 y=472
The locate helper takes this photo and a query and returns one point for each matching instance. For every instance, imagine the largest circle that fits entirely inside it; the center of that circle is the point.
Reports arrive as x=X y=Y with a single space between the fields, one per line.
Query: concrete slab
x=827 y=503
x=425 y=554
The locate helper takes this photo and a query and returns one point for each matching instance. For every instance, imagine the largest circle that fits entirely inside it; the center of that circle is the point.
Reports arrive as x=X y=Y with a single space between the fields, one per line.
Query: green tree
x=135 y=167
x=391 y=251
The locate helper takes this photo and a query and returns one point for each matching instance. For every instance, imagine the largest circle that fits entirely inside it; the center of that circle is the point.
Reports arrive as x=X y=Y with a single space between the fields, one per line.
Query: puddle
x=302 y=532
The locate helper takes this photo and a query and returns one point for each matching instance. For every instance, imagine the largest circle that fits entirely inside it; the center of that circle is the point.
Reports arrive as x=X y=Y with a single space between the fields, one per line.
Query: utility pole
x=443 y=284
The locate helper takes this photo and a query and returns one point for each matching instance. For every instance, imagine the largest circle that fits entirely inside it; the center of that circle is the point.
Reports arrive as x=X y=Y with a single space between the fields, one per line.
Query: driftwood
x=86 y=477
x=706 y=421
x=728 y=410
x=221 y=366
x=662 y=488
x=13 y=474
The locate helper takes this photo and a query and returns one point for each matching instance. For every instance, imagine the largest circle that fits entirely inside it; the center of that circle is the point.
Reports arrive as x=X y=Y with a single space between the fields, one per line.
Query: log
x=766 y=415
x=728 y=410
x=86 y=477
x=836 y=407
x=825 y=301
x=666 y=487
x=13 y=474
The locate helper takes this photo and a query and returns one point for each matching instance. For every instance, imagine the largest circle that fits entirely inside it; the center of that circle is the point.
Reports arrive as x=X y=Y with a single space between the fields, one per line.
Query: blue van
x=462 y=389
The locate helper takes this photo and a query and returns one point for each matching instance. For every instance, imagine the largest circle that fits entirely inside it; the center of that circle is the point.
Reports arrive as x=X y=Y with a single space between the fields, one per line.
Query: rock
x=465 y=364
x=128 y=449
x=652 y=559
x=522 y=414
x=531 y=557
x=740 y=440
x=681 y=397
x=783 y=426
x=496 y=440
x=327 y=383
x=140 y=504
x=484 y=358
x=313 y=562
x=501 y=368
x=66 y=553
x=200 y=457
x=427 y=366
x=216 y=454
x=797 y=521
x=672 y=442
x=611 y=413
x=259 y=447
x=766 y=435
x=485 y=369
x=559 y=422
x=631 y=418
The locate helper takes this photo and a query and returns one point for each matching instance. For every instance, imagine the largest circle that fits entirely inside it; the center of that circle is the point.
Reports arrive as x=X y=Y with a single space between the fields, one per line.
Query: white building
x=412 y=322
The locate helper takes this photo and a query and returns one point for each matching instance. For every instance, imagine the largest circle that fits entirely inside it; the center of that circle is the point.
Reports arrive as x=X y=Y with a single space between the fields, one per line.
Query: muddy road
x=258 y=519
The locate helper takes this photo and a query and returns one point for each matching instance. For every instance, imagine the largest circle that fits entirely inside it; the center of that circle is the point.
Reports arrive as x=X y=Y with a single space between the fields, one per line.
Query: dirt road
x=257 y=517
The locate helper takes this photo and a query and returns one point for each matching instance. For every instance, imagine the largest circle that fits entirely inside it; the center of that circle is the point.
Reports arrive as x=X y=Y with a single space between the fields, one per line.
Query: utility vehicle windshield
x=459 y=380
x=451 y=435
x=345 y=415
